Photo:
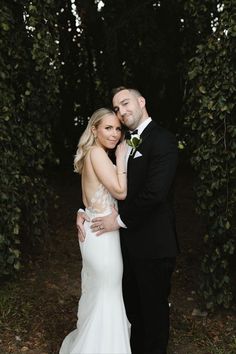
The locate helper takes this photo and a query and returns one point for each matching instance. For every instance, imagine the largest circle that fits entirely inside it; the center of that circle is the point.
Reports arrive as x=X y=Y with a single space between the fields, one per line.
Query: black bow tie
x=128 y=134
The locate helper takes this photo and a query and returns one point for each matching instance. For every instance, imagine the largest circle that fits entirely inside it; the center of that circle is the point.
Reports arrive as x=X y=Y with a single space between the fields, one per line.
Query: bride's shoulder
x=96 y=152
x=96 y=155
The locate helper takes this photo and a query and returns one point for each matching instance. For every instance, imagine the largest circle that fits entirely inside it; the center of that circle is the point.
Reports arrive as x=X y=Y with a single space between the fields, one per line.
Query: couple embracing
x=126 y=280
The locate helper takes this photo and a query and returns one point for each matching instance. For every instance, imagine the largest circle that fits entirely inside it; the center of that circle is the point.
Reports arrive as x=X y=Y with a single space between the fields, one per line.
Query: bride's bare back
x=101 y=180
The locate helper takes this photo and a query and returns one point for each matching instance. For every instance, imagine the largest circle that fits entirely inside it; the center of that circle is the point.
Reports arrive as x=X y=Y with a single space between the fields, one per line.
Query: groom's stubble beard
x=133 y=119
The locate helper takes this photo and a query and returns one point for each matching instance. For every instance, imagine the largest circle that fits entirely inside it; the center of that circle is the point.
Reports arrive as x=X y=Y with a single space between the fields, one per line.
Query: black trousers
x=146 y=288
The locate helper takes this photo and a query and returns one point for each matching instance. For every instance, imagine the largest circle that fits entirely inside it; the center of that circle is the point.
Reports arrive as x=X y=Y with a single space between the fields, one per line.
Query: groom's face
x=129 y=108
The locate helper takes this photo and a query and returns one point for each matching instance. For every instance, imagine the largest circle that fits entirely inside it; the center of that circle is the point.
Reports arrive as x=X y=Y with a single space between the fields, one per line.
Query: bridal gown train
x=102 y=326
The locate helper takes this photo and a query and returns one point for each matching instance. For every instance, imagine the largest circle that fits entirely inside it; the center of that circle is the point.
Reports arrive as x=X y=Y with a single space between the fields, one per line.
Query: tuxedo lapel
x=144 y=136
x=147 y=130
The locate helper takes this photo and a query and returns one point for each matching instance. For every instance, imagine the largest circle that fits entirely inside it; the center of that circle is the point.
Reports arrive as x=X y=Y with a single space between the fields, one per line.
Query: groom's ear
x=142 y=101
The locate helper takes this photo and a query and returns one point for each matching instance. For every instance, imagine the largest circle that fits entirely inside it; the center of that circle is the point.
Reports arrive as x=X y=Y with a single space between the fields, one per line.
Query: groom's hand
x=80 y=219
x=103 y=224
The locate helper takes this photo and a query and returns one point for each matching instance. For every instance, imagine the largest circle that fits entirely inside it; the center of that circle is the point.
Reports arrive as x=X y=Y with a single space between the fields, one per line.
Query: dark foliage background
x=59 y=61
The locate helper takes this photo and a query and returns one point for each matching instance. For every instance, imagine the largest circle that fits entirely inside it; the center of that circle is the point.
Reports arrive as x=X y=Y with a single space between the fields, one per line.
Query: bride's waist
x=93 y=213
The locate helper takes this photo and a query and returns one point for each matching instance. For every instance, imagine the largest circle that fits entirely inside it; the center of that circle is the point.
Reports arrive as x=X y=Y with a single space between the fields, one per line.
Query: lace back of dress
x=102 y=201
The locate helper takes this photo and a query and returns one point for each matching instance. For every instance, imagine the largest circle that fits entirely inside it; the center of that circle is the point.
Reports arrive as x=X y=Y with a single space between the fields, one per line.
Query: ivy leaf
x=202 y=89
x=227 y=225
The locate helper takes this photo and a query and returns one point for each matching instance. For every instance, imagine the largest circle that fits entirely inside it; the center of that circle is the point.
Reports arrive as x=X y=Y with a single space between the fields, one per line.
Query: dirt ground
x=39 y=309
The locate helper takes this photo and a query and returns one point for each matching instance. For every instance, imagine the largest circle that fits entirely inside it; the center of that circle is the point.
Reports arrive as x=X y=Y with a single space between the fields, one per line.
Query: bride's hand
x=121 y=150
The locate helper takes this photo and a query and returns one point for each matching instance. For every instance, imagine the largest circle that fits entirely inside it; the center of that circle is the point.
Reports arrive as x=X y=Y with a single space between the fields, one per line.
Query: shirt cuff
x=80 y=210
x=120 y=222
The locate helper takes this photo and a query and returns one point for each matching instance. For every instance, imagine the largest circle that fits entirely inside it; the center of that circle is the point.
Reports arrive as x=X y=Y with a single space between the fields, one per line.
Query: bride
x=102 y=326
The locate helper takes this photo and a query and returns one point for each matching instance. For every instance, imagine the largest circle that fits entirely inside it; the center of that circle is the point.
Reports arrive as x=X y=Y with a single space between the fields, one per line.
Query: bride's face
x=108 y=132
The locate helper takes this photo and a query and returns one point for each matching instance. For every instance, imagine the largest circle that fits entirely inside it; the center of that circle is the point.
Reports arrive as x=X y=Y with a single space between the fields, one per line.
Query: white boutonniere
x=134 y=141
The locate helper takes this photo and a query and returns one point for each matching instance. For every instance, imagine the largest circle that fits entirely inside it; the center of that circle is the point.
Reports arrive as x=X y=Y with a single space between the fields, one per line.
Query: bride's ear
x=94 y=131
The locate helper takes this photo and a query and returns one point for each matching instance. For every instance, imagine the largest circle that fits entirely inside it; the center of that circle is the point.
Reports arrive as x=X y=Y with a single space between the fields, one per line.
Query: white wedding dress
x=102 y=326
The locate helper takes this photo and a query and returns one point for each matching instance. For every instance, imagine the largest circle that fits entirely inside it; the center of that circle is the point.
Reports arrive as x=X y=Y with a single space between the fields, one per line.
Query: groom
x=147 y=224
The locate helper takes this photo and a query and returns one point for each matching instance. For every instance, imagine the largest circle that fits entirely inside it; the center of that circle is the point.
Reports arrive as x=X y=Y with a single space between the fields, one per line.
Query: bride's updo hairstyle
x=87 y=139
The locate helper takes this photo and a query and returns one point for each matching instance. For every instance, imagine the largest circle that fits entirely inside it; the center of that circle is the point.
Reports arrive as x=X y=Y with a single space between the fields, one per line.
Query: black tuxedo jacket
x=147 y=210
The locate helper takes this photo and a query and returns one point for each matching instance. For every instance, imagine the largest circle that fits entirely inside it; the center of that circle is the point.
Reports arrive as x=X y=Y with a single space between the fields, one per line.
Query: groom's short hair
x=115 y=90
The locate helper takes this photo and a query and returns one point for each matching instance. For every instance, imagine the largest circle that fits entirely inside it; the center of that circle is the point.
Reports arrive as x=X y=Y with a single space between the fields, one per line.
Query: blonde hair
x=87 y=139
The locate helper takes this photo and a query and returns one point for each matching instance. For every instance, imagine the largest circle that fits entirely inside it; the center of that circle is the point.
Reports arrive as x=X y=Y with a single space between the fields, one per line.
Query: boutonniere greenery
x=134 y=141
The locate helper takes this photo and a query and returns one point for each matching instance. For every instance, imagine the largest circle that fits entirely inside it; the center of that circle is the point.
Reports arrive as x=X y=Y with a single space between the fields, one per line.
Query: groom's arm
x=158 y=182
x=81 y=217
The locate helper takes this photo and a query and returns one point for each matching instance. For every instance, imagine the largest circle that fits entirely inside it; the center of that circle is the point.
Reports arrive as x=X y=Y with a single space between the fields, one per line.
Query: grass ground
x=39 y=309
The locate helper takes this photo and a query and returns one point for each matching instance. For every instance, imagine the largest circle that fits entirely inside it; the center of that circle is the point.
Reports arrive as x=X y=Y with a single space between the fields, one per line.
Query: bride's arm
x=114 y=179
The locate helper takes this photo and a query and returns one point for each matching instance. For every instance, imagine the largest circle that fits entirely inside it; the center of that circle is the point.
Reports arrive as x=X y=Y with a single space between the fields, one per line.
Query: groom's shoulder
x=161 y=132
x=161 y=139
